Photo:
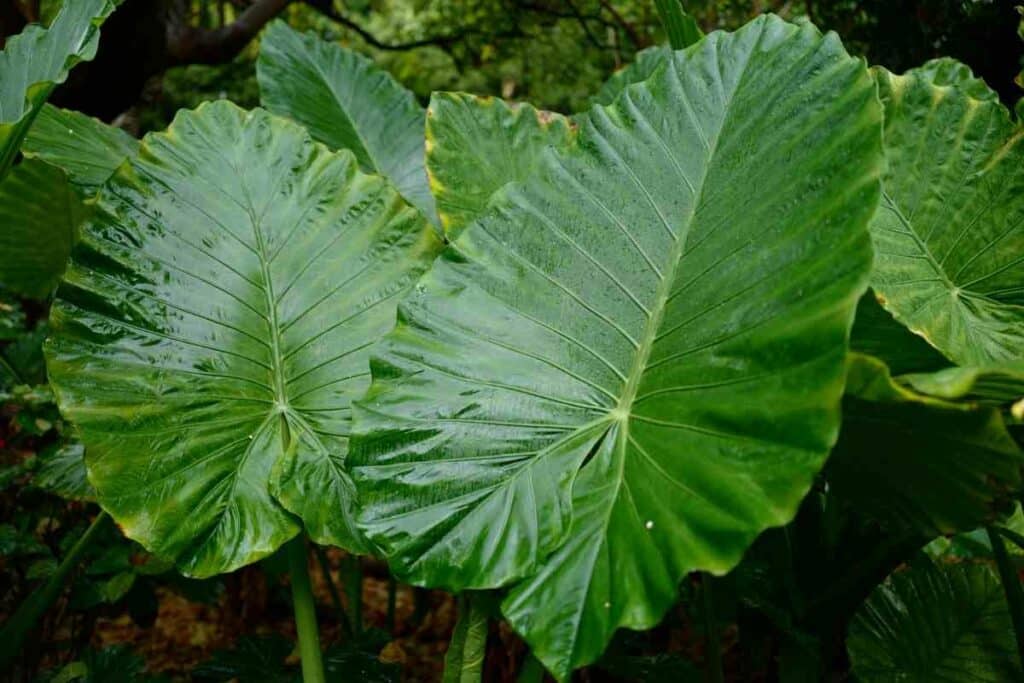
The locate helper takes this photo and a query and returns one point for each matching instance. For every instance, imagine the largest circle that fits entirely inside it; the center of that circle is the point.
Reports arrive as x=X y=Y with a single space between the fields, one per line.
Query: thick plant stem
x=21 y=623
x=1011 y=586
x=464 y=662
x=712 y=642
x=352 y=581
x=325 y=569
x=305 y=613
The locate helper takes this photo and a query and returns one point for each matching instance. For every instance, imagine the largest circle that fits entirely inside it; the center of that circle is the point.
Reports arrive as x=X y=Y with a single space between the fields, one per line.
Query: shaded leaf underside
x=921 y=463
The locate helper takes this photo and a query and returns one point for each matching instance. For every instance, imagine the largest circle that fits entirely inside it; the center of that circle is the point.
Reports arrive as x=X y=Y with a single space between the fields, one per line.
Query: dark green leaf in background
x=921 y=463
x=930 y=623
x=40 y=213
x=347 y=102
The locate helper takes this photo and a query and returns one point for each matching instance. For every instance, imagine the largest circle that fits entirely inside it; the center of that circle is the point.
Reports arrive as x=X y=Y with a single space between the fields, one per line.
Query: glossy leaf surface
x=347 y=102
x=658 y=314
x=36 y=60
x=935 y=623
x=40 y=214
x=214 y=325
x=88 y=150
x=919 y=462
x=477 y=145
x=949 y=233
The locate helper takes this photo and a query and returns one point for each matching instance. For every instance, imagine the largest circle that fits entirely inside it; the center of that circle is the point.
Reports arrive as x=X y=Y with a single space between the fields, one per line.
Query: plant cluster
x=755 y=317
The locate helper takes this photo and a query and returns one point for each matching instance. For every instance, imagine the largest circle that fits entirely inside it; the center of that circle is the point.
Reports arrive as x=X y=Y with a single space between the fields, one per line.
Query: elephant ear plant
x=552 y=363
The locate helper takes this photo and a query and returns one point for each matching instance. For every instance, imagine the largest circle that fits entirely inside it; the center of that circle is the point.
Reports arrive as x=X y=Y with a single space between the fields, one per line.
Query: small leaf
x=347 y=102
x=932 y=622
x=681 y=28
x=40 y=214
x=63 y=473
x=254 y=659
x=478 y=145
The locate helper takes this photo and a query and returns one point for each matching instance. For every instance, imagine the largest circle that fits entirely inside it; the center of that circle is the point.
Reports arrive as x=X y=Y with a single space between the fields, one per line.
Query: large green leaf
x=40 y=213
x=88 y=150
x=950 y=231
x=919 y=462
x=935 y=623
x=477 y=145
x=214 y=325
x=661 y=309
x=347 y=102
x=34 y=62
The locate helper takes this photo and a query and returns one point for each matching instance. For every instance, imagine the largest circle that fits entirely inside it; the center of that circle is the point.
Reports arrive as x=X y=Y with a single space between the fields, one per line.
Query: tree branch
x=188 y=44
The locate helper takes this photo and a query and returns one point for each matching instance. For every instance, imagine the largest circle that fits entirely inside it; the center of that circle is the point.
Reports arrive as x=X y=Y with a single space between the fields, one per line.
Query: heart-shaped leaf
x=658 y=315
x=35 y=61
x=477 y=145
x=347 y=102
x=214 y=325
x=949 y=233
